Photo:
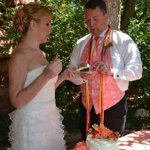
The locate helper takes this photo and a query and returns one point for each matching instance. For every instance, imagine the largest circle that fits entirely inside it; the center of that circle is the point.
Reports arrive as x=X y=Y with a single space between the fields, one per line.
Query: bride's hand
x=68 y=74
x=53 y=69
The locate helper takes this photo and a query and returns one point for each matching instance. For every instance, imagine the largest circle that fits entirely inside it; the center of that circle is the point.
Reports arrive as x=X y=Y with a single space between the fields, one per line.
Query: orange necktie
x=96 y=49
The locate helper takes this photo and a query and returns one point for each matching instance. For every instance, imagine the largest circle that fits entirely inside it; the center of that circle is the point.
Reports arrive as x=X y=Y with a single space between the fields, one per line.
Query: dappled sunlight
x=139 y=140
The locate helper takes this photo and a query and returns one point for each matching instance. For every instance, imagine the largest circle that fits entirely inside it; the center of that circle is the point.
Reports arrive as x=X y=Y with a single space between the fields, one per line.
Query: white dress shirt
x=126 y=59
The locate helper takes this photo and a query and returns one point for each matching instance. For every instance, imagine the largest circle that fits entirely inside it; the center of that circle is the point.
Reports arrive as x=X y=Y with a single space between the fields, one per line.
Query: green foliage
x=67 y=28
x=11 y=36
x=139 y=30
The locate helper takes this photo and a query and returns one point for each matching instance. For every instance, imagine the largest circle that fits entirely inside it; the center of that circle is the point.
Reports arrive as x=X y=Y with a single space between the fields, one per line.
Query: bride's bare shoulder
x=18 y=52
x=18 y=55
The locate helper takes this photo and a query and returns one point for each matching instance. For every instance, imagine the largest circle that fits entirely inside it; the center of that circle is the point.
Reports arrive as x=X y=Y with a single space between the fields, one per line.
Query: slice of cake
x=101 y=138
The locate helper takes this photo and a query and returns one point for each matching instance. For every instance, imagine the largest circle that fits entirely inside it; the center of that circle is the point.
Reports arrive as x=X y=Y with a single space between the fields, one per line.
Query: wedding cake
x=99 y=138
x=102 y=139
x=101 y=144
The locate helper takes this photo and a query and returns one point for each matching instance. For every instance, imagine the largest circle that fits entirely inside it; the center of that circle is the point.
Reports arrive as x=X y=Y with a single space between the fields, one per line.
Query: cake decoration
x=102 y=132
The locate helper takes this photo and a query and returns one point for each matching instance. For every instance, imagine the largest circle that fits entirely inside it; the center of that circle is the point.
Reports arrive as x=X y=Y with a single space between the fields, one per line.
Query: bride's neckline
x=39 y=67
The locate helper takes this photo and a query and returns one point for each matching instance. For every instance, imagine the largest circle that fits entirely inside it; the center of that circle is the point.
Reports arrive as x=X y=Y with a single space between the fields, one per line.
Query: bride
x=36 y=122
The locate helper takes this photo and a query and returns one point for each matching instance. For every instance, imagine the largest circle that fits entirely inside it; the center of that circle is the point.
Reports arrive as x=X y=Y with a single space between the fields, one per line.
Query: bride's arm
x=68 y=74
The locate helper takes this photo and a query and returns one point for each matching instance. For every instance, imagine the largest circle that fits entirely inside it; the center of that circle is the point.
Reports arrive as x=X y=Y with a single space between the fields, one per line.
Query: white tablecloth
x=139 y=140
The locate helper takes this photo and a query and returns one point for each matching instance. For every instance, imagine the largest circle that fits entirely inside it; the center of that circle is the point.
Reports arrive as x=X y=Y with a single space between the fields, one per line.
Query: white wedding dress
x=38 y=125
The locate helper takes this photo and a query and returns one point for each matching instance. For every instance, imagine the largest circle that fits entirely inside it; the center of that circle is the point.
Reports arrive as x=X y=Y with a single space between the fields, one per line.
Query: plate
x=85 y=69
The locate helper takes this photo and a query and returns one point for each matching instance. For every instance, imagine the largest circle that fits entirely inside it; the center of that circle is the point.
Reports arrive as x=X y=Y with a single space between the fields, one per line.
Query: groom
x=114 y=56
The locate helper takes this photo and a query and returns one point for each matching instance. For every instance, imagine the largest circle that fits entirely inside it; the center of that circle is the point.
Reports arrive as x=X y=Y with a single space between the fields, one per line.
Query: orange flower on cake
x=103 y=132
x=81 y=146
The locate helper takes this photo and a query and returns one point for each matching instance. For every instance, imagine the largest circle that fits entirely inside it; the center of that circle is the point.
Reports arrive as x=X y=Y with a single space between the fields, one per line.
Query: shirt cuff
x=117 y=74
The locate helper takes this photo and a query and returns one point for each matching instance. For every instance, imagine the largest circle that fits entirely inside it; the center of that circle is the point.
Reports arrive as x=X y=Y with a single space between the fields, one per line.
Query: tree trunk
x=129 y=8
x=114 y=13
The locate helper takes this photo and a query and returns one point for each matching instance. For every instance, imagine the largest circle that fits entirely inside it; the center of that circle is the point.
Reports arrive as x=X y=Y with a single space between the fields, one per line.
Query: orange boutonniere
x=108 y=38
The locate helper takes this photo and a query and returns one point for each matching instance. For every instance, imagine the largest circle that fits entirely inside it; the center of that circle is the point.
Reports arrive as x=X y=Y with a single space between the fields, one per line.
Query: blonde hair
x=30 y=11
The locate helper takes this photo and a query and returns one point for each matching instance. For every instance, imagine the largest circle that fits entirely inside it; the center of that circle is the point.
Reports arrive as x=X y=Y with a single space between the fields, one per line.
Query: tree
x=114 y=13
x=128 y=12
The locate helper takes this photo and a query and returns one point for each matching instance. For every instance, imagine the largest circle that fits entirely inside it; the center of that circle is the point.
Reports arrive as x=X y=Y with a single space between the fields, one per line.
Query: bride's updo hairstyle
x=30 y=11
